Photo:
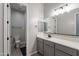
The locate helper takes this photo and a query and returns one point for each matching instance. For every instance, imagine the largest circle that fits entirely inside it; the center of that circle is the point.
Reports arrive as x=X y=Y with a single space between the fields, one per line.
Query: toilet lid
x=17 y=38
x=17 y=41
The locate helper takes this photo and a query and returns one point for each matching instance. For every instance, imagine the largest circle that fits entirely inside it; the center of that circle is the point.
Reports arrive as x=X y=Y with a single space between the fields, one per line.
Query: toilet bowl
x=17 y=41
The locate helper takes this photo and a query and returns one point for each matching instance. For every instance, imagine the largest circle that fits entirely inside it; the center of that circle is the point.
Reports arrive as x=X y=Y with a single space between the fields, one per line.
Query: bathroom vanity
x=57 y=45
x=65 y=41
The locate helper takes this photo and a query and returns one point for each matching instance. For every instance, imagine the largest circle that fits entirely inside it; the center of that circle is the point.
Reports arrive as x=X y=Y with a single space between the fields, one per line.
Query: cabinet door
x=40 y=46
x=48 y=50
x=77 y=52
x=60 y=53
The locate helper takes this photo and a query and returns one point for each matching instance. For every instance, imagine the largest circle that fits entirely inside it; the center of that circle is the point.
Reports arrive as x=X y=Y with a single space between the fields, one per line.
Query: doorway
x=18 y=29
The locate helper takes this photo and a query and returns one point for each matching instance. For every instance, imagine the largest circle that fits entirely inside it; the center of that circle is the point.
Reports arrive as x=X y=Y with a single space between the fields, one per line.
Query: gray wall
x=18 y=24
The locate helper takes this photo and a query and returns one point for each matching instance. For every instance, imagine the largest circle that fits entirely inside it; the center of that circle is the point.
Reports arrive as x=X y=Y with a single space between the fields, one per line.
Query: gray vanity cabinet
x=61 y=50
x=48 y=48
x=45 y=47
x=40 y=46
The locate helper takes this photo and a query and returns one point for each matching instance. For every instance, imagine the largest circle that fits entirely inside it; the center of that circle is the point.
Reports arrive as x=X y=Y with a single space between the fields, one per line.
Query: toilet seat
x=17 y=41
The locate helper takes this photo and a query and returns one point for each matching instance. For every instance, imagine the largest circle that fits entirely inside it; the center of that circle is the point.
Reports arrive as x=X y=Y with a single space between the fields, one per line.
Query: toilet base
x=23 y=50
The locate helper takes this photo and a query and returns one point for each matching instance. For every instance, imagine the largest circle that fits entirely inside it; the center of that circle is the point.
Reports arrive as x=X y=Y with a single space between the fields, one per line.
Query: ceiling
x=52 y=5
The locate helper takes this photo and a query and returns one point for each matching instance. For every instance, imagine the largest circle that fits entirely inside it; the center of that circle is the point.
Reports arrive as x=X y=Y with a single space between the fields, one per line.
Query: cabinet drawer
x=66 y=49
x=60 y=53
x=49 y=43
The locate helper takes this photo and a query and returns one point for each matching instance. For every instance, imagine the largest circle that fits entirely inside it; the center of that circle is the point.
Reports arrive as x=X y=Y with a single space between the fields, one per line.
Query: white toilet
x=17 y=41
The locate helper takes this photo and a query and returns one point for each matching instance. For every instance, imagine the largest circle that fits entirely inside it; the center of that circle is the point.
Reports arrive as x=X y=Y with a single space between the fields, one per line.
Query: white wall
x=18 y=24
x=1 y=29
x=40 y=26
x=34 y=13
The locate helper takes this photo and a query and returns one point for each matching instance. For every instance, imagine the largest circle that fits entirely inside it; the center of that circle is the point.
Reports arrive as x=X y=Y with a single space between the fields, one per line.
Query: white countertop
x=70 y=41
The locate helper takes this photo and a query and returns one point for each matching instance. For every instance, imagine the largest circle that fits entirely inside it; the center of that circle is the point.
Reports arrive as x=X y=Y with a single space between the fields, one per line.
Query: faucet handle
x=49 y=35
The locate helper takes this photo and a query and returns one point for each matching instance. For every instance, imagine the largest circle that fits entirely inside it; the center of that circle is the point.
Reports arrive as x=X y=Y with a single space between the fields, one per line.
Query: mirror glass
x=65 y=23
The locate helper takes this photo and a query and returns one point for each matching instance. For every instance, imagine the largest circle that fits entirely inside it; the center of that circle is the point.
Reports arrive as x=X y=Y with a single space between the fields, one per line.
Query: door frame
x=75 y=21
x=9 y=29
x=6 y=29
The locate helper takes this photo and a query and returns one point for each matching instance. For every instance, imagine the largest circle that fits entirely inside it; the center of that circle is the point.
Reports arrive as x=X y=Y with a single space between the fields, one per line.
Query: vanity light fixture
x=64 y=8
x=61 y=10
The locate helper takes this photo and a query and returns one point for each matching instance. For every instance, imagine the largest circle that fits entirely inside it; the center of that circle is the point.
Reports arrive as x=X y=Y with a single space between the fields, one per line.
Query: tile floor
x=16 y=52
